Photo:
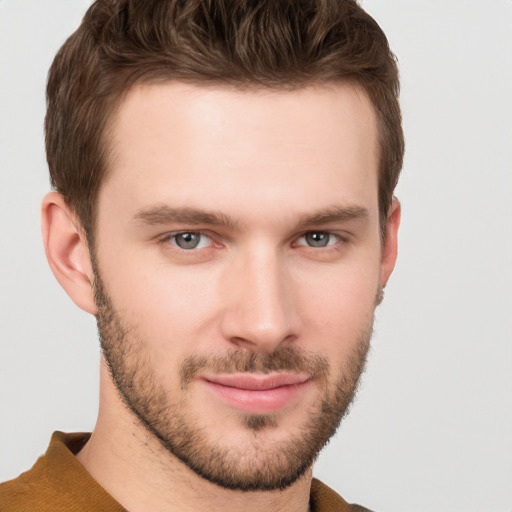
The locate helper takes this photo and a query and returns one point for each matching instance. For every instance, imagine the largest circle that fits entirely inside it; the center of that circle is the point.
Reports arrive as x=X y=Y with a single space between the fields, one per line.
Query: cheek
x=177 y=309
x=168 y=305
x=339 y=306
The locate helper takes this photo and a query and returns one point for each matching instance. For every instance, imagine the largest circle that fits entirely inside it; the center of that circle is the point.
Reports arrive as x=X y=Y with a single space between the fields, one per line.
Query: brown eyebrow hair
x=167 y=215
x=334 y=214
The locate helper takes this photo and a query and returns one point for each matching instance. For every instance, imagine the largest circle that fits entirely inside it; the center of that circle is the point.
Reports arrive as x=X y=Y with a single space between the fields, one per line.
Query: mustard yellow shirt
x=59 y=483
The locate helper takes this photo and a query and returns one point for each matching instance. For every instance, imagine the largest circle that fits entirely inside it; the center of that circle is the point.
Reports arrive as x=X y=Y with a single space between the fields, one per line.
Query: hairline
x=115 y=101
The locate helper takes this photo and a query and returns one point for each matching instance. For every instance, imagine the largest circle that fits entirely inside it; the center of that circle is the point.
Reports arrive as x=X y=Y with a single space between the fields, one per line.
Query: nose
x=260 y=312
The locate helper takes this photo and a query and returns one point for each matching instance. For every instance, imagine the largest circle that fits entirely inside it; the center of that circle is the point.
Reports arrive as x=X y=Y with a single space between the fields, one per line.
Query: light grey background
x=432 y=425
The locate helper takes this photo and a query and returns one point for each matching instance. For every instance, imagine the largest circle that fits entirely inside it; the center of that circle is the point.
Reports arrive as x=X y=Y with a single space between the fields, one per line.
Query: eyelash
x=337 y=238
x=170 y=238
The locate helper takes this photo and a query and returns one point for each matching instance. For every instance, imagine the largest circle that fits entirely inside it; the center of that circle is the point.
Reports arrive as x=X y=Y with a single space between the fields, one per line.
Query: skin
x=270 y=164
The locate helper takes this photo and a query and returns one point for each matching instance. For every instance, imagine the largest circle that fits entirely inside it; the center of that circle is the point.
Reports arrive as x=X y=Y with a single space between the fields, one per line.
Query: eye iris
x=187 y=240
x=317 y=239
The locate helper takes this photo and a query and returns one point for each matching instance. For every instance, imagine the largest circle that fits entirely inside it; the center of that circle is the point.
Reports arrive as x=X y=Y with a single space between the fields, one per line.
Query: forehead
x=220 y=146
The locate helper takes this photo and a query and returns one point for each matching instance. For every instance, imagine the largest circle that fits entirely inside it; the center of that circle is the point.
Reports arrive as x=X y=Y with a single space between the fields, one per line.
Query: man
x=223 y=204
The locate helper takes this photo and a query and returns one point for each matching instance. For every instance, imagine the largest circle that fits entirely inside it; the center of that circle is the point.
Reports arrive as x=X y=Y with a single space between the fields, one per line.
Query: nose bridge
x=260 y=314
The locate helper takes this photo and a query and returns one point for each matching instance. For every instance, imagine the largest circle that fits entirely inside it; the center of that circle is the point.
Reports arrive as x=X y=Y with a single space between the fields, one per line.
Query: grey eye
x=317 y=239
x=187 y=240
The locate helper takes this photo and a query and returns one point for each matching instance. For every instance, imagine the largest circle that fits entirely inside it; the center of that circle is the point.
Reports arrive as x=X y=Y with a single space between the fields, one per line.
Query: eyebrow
x=334 y=214
x=168 y=215
x=160 y=215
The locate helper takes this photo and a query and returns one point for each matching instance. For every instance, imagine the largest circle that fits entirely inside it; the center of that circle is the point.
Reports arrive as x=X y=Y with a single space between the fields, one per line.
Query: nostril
x=263 y=343
x=240 y=342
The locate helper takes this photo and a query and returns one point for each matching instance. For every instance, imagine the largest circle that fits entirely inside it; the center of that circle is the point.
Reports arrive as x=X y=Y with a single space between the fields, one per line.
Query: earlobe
x=67 y=251
x=390 y=245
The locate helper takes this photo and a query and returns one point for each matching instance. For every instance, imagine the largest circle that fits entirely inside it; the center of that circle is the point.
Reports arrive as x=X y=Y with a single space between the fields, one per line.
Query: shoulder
x=32 y=490
x=57 y=483
x=324 y=499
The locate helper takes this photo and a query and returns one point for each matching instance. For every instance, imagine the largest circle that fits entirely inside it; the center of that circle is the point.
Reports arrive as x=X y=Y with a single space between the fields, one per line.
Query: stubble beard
x=254 y=468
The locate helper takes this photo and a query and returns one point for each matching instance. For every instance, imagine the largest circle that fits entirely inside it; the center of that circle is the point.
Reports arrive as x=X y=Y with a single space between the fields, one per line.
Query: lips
x=255 y=393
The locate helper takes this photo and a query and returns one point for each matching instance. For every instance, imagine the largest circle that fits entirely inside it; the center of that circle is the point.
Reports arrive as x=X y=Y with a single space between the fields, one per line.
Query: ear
x=67 y=251
x=390 y=244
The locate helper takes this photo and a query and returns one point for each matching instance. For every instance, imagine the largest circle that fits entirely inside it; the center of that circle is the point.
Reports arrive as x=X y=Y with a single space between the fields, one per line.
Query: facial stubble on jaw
x=254 y=468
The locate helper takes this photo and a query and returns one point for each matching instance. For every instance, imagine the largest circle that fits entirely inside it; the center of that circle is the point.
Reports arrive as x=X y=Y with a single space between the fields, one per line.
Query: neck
x=132 y=465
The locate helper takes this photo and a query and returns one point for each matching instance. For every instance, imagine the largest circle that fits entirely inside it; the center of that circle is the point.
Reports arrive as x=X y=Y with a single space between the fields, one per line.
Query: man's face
x=237 y=261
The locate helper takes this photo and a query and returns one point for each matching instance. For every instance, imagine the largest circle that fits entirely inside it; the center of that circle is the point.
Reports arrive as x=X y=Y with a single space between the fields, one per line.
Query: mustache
x=288 y=359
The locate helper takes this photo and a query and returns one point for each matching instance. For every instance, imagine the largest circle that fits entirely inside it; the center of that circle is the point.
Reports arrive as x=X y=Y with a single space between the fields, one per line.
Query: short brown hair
x=243 y=43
